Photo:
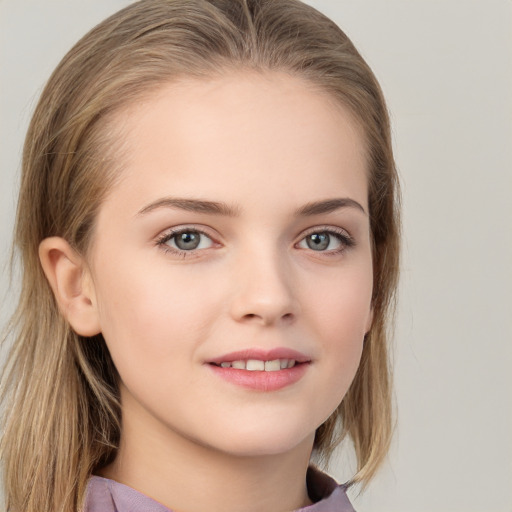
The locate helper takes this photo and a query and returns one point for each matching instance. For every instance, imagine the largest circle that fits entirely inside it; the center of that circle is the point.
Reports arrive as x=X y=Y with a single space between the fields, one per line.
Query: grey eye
x=318 y=241
x=328 y=241
x=188 y=240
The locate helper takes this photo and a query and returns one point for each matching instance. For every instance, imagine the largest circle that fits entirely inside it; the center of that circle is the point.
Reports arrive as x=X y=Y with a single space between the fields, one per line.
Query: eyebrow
x=219 y=208
x=328 y=206
x=193 y=205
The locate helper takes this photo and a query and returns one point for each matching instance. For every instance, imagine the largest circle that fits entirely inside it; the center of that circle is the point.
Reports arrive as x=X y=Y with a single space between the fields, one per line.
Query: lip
x=262 y=355
x=261 y=380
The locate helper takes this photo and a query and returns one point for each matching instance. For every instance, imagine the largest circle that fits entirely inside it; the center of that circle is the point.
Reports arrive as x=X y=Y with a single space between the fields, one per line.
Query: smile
x=261 y=370
x=258 y=365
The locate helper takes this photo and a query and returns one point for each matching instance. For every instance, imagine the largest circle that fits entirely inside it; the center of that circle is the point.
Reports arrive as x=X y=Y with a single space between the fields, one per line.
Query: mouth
x=262 y=370
x=258 y=365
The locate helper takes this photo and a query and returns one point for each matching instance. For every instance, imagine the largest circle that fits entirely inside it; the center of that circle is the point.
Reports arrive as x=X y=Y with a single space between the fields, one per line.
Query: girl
x=208 y=231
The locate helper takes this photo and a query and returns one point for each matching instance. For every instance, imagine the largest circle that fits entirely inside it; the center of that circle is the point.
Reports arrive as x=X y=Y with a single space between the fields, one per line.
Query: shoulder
x=105 y=495
x=326 y=493
x=98 y=496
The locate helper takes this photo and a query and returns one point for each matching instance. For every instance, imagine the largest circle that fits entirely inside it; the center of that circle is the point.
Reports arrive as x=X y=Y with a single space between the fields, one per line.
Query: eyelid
x=162 y=239
x=326 y=229
x=345 y=238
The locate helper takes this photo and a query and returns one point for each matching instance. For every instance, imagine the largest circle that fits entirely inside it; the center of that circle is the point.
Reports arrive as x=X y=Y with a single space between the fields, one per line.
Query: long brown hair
x=60 y=389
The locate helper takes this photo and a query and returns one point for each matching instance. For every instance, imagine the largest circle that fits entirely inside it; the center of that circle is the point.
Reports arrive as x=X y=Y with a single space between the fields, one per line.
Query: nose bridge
x=264 y=289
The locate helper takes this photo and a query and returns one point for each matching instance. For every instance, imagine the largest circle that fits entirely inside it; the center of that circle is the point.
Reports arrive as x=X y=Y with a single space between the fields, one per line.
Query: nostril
x=288 y=318
x=268 y=318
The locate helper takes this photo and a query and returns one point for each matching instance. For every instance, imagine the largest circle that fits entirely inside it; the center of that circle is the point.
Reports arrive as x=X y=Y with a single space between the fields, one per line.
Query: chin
x=265 y=442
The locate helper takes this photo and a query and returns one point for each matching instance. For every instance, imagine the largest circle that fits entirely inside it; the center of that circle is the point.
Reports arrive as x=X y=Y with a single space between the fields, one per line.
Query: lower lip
x=261 y=380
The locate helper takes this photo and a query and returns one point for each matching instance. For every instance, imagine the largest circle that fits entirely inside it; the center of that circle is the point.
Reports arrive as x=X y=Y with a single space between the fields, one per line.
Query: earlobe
x=71 y=283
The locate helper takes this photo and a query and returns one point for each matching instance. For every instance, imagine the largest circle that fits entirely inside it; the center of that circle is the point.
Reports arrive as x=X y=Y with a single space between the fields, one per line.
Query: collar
x=106 y=495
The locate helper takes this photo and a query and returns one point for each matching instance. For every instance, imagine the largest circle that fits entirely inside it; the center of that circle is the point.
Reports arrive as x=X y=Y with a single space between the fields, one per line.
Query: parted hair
x=60 y=397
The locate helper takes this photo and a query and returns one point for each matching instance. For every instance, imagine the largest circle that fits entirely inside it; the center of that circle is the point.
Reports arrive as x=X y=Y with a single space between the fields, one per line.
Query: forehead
x=241 y=132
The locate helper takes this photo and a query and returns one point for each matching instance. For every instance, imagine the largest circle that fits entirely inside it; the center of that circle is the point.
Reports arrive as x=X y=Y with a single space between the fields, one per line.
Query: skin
x=266 y=145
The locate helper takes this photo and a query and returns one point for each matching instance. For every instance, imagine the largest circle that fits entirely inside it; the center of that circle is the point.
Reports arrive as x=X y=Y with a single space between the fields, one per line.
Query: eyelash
x=346 y=241
x=169 y=235
x=343 y=237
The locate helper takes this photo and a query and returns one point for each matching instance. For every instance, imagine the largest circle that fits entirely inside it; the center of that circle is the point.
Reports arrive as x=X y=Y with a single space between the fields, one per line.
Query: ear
x=72 y=285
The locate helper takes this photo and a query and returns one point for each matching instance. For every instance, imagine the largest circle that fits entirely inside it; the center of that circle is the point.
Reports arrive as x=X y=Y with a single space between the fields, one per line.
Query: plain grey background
x=446 y=70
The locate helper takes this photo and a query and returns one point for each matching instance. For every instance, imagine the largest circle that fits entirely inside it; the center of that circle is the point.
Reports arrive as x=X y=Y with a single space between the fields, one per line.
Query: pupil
x=318 y=241
x=187 y=241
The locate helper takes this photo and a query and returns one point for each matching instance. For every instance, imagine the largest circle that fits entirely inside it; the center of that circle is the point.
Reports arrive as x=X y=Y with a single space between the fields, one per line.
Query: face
x=231 y=263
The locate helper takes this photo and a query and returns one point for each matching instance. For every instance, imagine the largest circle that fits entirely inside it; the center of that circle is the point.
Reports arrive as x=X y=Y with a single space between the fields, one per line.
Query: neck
x=188 y=477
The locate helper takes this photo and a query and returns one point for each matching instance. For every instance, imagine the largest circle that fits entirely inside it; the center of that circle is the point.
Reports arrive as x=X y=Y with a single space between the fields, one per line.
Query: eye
x=330 y=241
x=185 y=240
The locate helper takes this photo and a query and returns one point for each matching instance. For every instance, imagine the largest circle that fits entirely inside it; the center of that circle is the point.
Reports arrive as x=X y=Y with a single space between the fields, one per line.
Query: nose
x=264 y=292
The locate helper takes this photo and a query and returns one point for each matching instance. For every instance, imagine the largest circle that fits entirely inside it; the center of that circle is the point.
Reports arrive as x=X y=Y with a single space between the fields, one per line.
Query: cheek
x=344 y=305
x=147 y=318
x=343 y=316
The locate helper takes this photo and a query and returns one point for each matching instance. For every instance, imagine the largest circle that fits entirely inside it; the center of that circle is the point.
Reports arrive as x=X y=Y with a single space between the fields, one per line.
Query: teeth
x=257 y=365
x=272 y=366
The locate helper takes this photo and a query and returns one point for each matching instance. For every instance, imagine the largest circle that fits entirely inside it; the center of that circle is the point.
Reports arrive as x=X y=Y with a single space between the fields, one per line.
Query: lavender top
x=105 y=495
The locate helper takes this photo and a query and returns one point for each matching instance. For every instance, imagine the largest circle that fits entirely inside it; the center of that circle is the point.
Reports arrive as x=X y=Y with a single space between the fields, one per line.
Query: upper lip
x=262 y=355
